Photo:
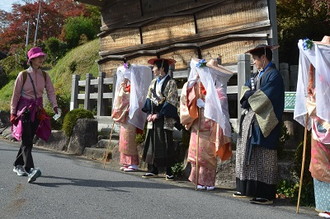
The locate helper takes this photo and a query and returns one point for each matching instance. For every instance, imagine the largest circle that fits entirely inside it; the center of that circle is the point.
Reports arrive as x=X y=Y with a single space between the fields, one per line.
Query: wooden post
x=100 y=90
x=87 y=100
x=74 y=92
x=243 y=74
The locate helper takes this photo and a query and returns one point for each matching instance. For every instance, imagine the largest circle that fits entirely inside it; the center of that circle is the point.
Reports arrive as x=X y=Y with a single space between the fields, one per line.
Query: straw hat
x=324 y=41
x=262 y=47
x=169 y=61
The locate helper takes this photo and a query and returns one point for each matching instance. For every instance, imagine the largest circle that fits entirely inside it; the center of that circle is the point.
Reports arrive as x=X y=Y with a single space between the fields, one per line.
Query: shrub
x=71 y=118
x=75 y=27
x=55 y=49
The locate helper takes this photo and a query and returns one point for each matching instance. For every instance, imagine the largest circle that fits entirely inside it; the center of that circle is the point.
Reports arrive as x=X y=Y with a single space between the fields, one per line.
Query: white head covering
x=319 y=57
x=215 y=109
x=140 y=77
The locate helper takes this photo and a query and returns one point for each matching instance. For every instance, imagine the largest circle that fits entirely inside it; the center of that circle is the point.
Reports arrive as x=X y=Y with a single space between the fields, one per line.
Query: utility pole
x=38 y=18
x=27 y=34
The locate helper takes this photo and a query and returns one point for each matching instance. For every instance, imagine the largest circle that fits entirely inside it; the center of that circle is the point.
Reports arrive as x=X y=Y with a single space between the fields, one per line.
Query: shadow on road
x=109 y=185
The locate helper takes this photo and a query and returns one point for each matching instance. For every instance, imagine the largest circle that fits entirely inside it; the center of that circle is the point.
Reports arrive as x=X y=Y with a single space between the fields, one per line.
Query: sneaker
x=34 y=174
x=324 y=214
x=20 y=171
x=261 y=201
x=239 y=195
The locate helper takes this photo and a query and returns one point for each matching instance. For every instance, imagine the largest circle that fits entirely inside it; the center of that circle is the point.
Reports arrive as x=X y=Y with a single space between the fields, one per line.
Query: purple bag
x=44 y=129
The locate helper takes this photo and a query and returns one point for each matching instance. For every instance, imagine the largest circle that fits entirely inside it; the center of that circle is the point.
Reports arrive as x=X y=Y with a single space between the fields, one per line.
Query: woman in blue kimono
x=262 y=99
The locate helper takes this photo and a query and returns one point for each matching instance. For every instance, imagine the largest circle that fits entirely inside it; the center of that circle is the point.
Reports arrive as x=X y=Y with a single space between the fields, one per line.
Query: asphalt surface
x=74 y=187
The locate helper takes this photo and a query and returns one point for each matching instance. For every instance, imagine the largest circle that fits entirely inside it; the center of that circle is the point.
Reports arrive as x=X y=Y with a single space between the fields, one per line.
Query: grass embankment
x=80 y=61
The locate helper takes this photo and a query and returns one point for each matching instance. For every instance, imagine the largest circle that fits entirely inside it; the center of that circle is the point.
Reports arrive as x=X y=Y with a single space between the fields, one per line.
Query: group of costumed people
x=202 y=108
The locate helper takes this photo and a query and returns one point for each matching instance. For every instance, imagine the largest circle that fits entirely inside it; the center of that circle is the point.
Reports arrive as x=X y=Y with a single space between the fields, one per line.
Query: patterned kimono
x=127 y=145
x=131 y=89
x=320 y=150
x=256 y=155
x=212 y=141
x=162 y=99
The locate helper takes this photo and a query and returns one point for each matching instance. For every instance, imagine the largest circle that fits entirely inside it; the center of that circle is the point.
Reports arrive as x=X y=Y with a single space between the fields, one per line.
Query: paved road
x=72 y=187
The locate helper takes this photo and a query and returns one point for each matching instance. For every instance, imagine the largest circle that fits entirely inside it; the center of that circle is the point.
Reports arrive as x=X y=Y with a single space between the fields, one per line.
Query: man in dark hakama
x=162 y=109
x=262 y=99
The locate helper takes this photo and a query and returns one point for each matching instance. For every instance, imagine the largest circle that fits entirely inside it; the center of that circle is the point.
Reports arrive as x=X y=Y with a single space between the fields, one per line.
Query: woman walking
x=27 y=113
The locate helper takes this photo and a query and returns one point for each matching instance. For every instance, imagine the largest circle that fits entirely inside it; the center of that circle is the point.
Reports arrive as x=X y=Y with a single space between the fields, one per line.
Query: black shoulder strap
x=34 y=88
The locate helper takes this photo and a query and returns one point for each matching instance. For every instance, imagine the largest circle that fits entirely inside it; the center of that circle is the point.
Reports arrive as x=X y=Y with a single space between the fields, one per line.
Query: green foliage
x=13 y=64
x=287 y=188
x=71 y=118
x=63 y=103
x=84 y=56
x=94 y=14
x=283 y=138
x=75 y=27
x=290 y=188
x=178 y=169
x=73 y=66
x=298 y=19
x=55 y=49
x=5 y=96
x=139 y=138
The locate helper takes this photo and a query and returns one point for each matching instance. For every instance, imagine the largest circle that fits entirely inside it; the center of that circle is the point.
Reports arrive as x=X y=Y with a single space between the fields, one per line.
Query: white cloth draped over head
x=215 y=83
x=319 y=57
x=140 y=77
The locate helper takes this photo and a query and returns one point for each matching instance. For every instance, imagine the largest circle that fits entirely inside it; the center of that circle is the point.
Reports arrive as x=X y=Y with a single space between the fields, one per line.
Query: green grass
x=81 y=59
x=5 y=96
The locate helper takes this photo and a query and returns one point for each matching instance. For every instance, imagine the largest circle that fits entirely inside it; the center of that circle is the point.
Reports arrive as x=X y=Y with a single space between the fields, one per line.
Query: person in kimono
x=131 y=90
x=161 y=108
x=262 y=100
x=204 y=111
x=312 y=110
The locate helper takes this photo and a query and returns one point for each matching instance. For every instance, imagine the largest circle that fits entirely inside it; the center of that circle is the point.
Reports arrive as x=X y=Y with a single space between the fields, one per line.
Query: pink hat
x=35 y=52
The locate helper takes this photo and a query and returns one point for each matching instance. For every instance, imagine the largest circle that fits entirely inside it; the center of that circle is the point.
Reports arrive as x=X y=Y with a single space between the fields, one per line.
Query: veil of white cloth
x=319 y=57
x=215 y=83
x=140 y=77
